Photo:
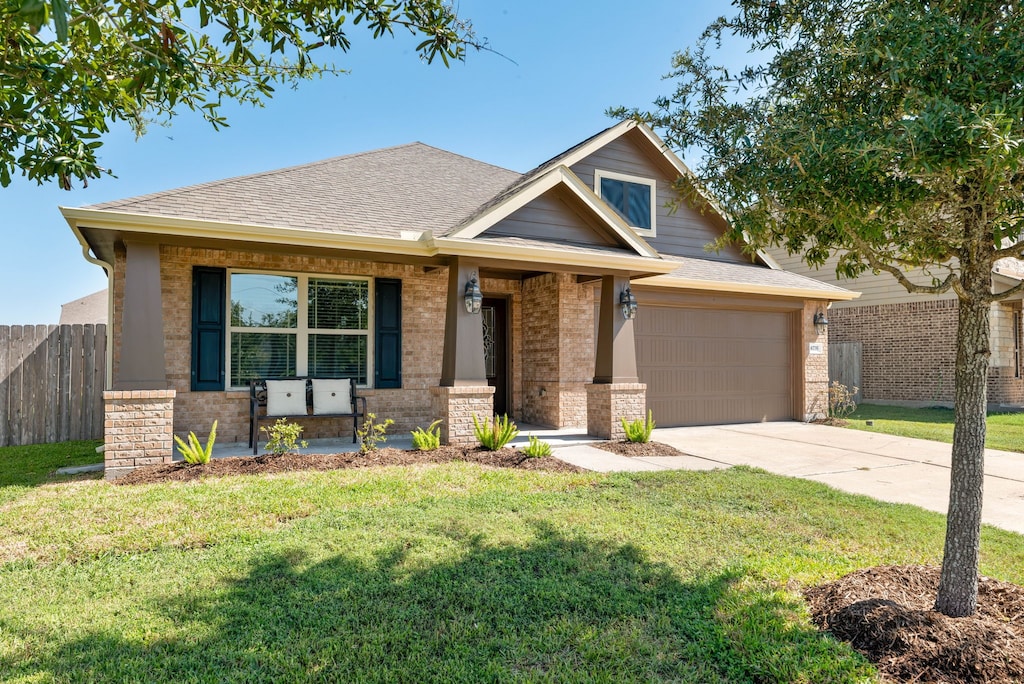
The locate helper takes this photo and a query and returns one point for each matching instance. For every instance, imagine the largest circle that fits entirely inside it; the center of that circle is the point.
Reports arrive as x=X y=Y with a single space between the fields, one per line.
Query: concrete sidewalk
x=895 y=469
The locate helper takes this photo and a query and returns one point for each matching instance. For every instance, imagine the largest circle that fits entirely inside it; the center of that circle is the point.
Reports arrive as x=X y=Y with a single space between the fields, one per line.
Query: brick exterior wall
x=558 y=350
x=137 y=430
x=456 y=406
x=909 y=351
x=608 y=404
x=815 y=366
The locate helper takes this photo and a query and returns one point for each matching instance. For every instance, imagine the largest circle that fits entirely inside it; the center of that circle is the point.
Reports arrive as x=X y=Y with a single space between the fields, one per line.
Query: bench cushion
x=332 y=396
x=286 y=397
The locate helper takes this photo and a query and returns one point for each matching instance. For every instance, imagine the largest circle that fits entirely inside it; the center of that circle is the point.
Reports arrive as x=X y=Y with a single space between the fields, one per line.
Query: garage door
x=705 y=367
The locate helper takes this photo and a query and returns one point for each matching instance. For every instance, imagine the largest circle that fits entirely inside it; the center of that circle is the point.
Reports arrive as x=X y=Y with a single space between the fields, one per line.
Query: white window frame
x=639 y=180
x=302 y=331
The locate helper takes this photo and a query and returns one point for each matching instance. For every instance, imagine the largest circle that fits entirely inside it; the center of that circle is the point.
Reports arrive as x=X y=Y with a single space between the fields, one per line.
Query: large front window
x=296 y=325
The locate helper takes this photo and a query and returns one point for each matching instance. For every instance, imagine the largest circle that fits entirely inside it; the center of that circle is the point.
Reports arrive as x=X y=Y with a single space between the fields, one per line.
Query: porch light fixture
x=473 y=296
x=628 y=303
x=820 y=322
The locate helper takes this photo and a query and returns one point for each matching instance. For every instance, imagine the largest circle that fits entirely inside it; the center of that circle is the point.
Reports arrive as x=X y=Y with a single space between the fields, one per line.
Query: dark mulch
x=254 y=465
x=886 y=614
x=834 y=422
x=625 y=448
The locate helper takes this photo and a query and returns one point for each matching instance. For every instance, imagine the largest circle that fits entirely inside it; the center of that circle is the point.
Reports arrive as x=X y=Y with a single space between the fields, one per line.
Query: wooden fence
x=51 y=383
x=844 y=364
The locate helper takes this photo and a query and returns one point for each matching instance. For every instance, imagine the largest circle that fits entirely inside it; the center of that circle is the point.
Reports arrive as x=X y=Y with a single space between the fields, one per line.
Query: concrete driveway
x=895 y=469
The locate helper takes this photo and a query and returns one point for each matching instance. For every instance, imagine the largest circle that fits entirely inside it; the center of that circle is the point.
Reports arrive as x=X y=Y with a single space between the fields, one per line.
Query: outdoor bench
x=298 y=398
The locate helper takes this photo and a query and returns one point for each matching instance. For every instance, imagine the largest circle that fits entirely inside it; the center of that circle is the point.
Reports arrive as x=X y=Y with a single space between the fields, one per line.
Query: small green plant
x=371 y=434
x=639 y=430
x=193 y=451
x=494 y=434
x=840 y=400
x=429 y=439
x=537 y=448
x=283 y=437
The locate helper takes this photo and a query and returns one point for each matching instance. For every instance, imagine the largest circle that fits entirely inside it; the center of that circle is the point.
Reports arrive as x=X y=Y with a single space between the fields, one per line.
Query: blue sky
x=572 y=60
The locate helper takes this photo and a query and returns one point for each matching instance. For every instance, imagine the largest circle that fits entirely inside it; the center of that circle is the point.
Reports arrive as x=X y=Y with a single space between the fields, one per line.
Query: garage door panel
x=706 y=366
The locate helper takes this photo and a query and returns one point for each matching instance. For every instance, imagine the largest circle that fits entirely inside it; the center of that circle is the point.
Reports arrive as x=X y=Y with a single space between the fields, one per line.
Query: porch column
x=616 y=392
x=141 y=348
x=463 y=391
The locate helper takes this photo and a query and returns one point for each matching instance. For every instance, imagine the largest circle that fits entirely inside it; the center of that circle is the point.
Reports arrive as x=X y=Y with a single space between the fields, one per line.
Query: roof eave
x=468 y=247
x=676 y=282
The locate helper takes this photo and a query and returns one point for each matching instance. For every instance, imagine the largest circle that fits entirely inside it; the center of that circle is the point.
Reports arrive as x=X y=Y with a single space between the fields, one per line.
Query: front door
x=495 y=320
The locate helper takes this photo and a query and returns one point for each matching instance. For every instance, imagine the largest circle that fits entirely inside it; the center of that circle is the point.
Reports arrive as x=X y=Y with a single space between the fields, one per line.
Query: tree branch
x=865 y=250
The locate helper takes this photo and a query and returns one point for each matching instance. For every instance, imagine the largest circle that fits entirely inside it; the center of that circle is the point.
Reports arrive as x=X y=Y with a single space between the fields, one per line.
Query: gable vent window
x=631 y=196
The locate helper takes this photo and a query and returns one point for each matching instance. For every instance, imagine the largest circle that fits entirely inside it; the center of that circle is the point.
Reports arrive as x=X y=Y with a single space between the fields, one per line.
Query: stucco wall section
x=608 y=404
x=137 y=430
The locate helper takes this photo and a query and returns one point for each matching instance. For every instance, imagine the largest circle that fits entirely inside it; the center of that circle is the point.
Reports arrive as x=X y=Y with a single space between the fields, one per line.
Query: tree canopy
x=70 y=68
x=888 y=132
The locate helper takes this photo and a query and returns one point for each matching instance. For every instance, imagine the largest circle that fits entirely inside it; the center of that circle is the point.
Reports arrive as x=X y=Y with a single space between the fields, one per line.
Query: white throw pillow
x=332 y=396
x=286 y=397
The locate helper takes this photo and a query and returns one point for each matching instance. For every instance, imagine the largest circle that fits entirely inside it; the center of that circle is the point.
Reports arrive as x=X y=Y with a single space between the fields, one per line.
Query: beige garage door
x=705 y=367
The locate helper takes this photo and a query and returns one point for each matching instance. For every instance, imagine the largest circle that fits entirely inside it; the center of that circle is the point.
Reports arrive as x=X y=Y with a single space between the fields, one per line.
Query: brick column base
x=137 y=430
x=607 y=404
x=455 y=407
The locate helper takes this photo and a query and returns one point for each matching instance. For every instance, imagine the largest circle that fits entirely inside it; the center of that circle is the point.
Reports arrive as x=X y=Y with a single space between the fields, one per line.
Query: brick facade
x=909 y=350
x=137 y=430
x=608 y=404
x=456 y=406
x=815 y=366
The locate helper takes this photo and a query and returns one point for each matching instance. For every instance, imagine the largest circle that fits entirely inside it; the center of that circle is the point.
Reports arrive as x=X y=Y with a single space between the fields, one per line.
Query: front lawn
x=28 y=466
x=1005 y=430
x=451 y=573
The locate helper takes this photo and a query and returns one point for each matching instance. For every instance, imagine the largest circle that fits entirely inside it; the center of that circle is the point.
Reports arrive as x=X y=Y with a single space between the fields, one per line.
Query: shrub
x=283 y=437
x=429 y=439
x=494 y=434
x=193 y=451
x=537 y=448
x=639 y=430
x=371 y=434
x=840 y=400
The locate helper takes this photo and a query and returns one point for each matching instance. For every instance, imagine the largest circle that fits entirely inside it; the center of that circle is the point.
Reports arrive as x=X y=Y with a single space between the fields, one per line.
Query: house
x=359 y=266
x=903 y=345
x=90 y=309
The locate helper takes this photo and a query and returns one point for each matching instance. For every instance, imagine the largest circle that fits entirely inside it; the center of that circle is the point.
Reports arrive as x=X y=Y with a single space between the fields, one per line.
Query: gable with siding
x=683 y=232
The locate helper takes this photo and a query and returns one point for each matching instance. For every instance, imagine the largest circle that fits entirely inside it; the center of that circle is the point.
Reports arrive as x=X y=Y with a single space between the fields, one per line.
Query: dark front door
x=495 y=320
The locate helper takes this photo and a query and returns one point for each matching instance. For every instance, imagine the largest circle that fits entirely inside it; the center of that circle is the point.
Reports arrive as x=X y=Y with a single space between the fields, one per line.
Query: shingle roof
x=692 y=268
x=409 y=187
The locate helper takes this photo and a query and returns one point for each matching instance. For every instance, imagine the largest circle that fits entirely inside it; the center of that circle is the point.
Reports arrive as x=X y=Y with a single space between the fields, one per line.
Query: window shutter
x=388 y=338
x=208 y=328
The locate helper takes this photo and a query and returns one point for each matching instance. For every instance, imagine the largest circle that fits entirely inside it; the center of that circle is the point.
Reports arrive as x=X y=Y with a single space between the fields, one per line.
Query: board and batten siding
x=683 y=232
x=875 y=289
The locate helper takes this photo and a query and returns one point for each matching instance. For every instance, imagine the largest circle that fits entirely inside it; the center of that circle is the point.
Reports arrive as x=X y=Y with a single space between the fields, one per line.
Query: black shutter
x=208 y=328
x=388 y=338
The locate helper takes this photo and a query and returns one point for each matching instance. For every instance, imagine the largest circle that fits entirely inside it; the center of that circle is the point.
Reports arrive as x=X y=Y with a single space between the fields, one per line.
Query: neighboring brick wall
x=815 y=366
x=137 y=430
x=608 y=404
x=456 y=406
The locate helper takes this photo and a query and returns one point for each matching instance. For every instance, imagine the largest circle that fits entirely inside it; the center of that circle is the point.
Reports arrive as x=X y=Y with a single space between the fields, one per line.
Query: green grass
x=28 y=466
x=451 y=573
x=1005 y=430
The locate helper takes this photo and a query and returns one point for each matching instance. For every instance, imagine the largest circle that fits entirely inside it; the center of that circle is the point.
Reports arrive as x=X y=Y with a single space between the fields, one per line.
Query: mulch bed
x=636 y=449
x=886 y=614
x=268 y=463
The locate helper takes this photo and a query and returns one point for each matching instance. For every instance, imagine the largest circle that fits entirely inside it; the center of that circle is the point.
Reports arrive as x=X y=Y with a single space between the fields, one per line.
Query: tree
x=70 y=68
x=888 y=132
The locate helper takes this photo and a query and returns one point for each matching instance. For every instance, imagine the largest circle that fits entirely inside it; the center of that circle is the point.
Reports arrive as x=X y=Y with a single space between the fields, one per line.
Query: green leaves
x=71 y=68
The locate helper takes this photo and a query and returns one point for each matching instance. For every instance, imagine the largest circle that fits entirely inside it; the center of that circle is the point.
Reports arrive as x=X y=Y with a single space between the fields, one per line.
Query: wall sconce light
x=628 y=303
x=820 y=322
x=474 y=298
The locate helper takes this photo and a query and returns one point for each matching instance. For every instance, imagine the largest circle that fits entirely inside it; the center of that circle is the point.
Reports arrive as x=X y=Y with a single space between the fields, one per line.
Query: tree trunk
x=958 y=586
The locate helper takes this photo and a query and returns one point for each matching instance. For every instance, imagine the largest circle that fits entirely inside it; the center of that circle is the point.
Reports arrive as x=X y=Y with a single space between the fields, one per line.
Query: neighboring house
x=358 y=266
x=90 y=309
x=908 y=341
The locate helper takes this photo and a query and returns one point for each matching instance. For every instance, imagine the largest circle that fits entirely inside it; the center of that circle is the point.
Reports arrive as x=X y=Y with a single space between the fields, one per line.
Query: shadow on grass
x=558 y=609
x=36 y=464
x=935 y=414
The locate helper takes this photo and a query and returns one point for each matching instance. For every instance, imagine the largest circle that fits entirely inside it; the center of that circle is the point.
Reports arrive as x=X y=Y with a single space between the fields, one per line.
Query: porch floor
x=556 y=437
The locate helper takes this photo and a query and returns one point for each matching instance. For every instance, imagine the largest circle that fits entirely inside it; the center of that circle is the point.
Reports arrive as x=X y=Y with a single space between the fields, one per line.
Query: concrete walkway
x=895 y=469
